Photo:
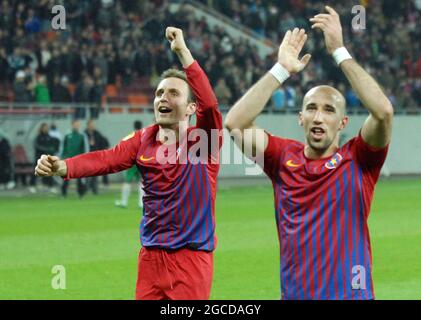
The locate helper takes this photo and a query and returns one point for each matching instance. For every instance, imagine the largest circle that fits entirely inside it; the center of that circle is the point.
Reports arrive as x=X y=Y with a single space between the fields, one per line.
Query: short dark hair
x=175 y=73
x=137 y=125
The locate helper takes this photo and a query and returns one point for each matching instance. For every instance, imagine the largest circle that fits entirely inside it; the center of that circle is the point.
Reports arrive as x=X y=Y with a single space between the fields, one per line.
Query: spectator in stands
x=291 y=96
x=59 y=91
x=43 y=55
x=43 y=144
x=4 y=66
x=21 y=89
x=96 y=93
x=41 y=92
x=120 y=36
x=74 y=143
x=32 y=23
x=352 y=100
x=223 y=93
x=279 y=100
x=16 y=60
x=54 y=65
x=417 y=91
x=83 y=96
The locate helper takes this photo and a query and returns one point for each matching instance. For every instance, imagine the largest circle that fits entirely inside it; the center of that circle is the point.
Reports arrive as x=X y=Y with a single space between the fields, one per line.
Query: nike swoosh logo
x=291 y=164
x=142 y=158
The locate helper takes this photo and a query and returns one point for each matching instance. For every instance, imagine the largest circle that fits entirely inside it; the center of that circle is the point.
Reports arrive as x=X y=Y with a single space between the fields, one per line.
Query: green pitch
x=98 y=245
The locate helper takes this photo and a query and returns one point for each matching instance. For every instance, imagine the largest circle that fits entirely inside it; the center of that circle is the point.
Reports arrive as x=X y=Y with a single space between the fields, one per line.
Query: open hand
x=330 y=24
x=289 y=50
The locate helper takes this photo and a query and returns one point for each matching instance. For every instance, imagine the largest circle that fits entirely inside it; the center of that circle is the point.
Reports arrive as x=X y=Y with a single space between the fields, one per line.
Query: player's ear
x=344 y=123
x=300 y=119
x=191 y=108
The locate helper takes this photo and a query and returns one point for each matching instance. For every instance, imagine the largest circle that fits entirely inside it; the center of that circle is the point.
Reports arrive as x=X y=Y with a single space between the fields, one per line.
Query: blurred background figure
x=6 y=163
x=43 y=144
x=74 y=143
x=22 y=89
x=56 y=134
x=129 y=176
x=95 y=142
x=41 y=92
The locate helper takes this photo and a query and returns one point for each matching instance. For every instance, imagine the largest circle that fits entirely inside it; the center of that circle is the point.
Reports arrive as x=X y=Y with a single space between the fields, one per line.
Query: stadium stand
x=113 y=51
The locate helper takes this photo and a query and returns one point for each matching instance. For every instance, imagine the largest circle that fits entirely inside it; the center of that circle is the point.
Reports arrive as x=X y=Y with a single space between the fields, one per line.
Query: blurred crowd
x=122 y=41
x=389 y=47
x=15 y=166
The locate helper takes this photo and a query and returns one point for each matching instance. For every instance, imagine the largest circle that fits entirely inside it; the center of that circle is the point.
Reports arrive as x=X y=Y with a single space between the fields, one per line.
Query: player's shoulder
x=148 y=131
x=141 y=133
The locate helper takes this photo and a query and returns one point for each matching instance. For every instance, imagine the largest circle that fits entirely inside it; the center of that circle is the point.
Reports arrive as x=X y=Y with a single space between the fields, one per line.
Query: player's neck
x=315 y=154
x=172 y=134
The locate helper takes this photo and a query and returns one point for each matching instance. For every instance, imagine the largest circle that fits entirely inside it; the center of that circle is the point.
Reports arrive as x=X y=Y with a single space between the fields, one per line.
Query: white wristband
x=340 y=55
x=279 y=72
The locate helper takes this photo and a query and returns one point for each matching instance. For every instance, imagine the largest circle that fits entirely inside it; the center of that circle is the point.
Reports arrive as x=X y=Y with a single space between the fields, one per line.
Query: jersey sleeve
x=273 y=156
x=368 y=156
x=208 y=116
x=96 y=163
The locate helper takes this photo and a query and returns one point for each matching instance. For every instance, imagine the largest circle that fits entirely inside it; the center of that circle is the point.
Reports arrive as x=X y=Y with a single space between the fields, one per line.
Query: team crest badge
x=334 y=162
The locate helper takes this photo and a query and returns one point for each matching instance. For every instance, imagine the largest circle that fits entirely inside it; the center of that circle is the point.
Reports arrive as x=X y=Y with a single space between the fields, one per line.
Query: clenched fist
x=178 y=45
x=176 y=38
x=48 y=166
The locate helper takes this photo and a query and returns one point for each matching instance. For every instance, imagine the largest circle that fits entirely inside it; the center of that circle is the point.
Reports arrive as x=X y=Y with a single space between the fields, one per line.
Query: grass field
x=98 y=245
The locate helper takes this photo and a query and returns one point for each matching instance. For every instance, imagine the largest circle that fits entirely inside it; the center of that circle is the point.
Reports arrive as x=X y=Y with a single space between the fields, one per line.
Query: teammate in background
x=129 y=176
x=322 y=191
x=177 y=230
x=74 y=143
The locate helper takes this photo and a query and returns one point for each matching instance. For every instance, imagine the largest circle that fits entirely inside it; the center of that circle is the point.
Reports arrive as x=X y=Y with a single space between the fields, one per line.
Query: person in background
x=41 y=92
x=21 y=89
x=74 y=143
x=58 y=138
x=6 y=164
x=95 y=142
x=130 y=175
x=43 y=143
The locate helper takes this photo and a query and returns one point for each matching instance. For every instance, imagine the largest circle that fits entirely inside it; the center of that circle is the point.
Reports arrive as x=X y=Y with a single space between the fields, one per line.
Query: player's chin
x=165 y=122
x=318 y=144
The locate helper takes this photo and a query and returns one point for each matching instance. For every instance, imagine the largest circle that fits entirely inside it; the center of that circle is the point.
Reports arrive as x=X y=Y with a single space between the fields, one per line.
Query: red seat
x=22 y=163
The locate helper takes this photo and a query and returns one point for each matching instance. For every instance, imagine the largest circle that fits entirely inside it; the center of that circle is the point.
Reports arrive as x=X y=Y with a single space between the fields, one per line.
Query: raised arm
x=208 y=116
x=242 y=115
x=377 y=129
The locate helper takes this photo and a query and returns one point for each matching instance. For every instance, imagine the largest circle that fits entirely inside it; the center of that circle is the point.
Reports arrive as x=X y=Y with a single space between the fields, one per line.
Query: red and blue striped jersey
x=322 y=207
x=179 y=199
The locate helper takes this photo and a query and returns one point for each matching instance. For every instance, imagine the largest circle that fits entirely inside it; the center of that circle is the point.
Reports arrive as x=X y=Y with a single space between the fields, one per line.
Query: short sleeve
x=273 y=155
x=366 y=155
